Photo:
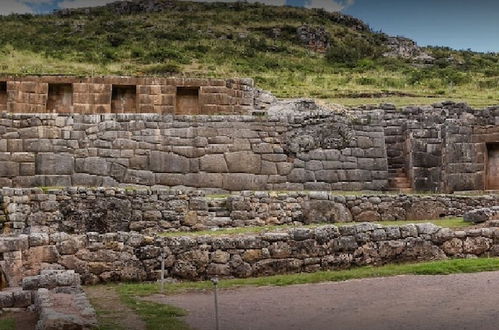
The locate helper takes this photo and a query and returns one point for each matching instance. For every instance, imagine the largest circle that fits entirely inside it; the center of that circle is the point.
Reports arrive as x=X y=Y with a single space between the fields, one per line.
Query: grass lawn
x=7 y=324
x=446 y=222
x=156 y=316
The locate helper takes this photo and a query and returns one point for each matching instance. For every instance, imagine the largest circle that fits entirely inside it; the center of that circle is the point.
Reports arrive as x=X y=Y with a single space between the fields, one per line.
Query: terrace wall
x=81 y=210
x=135 y=257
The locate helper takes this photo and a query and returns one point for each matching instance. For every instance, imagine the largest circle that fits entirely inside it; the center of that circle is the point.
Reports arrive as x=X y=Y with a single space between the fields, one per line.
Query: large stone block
x=140 y=177
x=236 y=182
x=9 y=169
x=167 y=162
x=54 y=164
x=325 y=211
x=243 y=162
x=214 y=163
x=95 y=165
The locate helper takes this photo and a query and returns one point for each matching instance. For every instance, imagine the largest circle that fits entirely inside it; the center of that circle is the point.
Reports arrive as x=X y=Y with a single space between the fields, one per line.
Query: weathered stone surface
x=51 y=163
x=323 y=211
x=243 y=162
x=426 y=210
x=213 y=163
x=95 y=165
x=482 y=215
x=168 y=162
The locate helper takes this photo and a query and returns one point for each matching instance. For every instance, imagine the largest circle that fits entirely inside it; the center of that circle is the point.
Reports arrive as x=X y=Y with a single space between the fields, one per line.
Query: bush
x=351 y=50
x=162 y=69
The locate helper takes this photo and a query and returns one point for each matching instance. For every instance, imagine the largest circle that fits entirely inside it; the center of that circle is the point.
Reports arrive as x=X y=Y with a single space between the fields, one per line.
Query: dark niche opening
x=124 y=99
x=60 y=98
x=492 y=171
x=3 y=95
x=187 y=101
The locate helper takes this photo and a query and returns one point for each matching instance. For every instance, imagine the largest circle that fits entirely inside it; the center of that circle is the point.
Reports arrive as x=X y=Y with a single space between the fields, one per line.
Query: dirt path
x=113 y=313
x=464 y=301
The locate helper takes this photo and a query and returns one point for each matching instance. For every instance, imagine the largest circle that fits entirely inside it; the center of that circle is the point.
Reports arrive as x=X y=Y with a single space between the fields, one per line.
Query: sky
x=459 y=24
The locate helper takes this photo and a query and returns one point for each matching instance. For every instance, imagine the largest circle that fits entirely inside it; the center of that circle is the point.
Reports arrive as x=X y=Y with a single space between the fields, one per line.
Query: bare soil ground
x=463 y=301
x=113 y=313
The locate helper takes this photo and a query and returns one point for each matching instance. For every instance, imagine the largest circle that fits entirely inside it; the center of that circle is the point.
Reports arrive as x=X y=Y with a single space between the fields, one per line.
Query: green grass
x=156 y=316
x=107 y=320
x=446 y=222
x=225 y=40
x=7 y=324
x=444 y=267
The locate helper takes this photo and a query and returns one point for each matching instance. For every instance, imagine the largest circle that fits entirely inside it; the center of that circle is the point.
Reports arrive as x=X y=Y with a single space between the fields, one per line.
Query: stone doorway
x=60 y=98
x=188 y=101
x=492 y=171
x=3 y=96
x=124 y=99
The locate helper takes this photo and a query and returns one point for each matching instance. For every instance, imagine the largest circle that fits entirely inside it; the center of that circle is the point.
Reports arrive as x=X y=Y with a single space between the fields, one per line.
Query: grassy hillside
x=210 y=39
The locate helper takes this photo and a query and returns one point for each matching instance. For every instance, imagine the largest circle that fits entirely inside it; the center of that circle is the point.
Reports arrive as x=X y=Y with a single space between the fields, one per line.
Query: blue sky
x=459 y=24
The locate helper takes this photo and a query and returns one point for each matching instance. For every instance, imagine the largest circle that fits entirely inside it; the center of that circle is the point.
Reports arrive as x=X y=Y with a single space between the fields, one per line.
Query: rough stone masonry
x=132 y=256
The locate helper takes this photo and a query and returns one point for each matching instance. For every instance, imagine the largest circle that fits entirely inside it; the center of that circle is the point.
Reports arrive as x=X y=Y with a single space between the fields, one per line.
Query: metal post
x=162 y=285
x=215 y=286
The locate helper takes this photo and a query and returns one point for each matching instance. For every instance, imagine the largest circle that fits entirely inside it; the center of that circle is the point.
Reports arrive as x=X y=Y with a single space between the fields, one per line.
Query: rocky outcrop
x=407 y=49
x=315 y=38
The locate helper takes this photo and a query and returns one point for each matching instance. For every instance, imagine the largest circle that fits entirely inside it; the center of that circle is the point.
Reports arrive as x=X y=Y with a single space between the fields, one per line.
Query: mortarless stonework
x=135 y=257
x=443 y=148
x=223 y=152
x=108 y=210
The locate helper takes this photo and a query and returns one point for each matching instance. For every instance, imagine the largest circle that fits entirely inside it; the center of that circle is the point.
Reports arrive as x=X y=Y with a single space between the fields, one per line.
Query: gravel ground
x=463 y=301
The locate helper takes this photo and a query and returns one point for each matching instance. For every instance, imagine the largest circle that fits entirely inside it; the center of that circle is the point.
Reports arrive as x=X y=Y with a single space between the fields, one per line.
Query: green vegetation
x=220 y=40
x=443 y=267
x=7 y=324
x=446 y=222
x=156 y=316
x=160 y=316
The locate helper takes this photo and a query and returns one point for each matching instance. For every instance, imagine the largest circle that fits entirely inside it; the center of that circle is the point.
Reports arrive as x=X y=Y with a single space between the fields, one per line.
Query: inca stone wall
x=441 y=148
x=135 y=257
x=314 y=150
x=81 y=210
x=150 y=132
x=45 y=94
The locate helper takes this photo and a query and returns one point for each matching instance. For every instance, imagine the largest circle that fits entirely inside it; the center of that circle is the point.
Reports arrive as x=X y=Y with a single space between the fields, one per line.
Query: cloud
x=83 y=3
x=40 y=6
x=329 y=5
x=14 y=7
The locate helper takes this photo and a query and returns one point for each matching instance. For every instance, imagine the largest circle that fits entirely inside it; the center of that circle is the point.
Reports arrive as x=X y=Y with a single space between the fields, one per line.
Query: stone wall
x=135 y=257
x=99 y=95
x=282 y=145
x=313 y=150
x=441 y=148
x=81 y=210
